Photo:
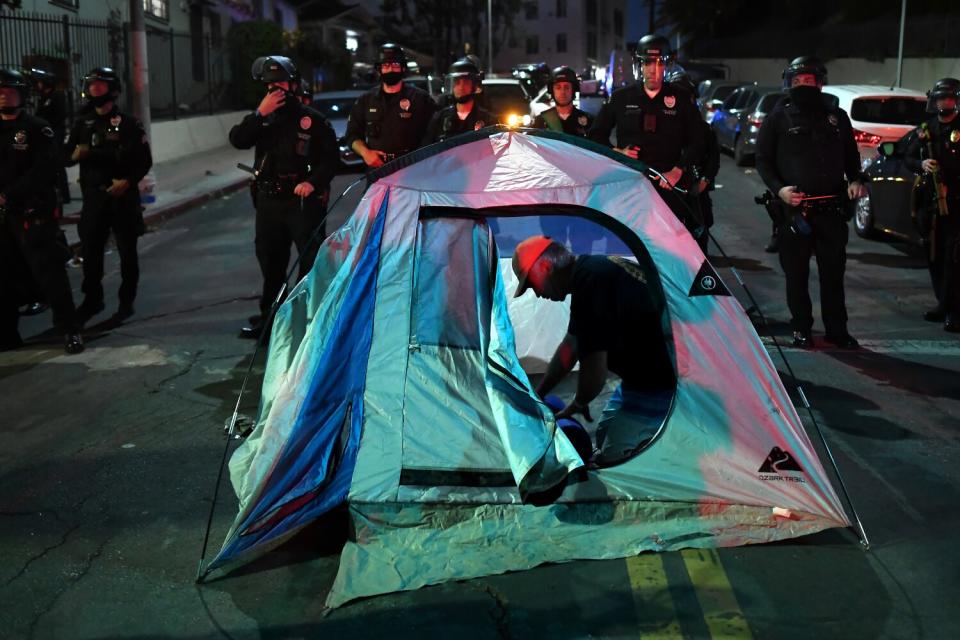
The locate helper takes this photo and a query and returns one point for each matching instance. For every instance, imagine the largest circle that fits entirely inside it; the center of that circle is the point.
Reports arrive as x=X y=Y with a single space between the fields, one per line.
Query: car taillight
x=862 y=137
x=755 y=121
x=711 y=108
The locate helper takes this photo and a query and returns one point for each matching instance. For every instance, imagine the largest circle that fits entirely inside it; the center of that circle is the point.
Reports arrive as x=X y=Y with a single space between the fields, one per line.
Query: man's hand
x=633 y=151
x=118 y=188
x=855 y=190
x=304 y=189
x=671 y=178
x=373 y=157
x=574 y=408
x=930 y=165
x=271 y=102
x=791 y=196
x=80 y=152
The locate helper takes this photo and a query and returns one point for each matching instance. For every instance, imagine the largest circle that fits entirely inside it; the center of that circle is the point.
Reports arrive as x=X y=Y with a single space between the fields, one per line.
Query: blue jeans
x=629 y=421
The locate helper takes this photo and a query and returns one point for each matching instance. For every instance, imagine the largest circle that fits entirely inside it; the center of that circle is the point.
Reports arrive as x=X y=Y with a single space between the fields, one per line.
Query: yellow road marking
x=719 y=604
x=651 y=596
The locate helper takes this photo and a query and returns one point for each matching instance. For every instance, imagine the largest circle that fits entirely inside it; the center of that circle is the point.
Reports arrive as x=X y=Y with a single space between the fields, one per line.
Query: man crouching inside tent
x=614 y=326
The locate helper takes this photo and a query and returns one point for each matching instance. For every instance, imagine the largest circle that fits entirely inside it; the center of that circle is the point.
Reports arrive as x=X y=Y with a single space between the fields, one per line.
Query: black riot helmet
x=269 y=69
x=465 y=67
x=944 y=88
x=653 y=47
x=803 y=65
x=13 y=79
x=564 y=74
x=390 y=53
x=44 y=76
x=102 y=74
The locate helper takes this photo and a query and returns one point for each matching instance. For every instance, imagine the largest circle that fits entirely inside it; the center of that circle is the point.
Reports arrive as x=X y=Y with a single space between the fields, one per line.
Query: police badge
x=305 y=122
x=955 y=136
x=405 y=104
x=115 y=121
x=478 y=125
x=669 y=102
x=832 y=119
x=20 y=137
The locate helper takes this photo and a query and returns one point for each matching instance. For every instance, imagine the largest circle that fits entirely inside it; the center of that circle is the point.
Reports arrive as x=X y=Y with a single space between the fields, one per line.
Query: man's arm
x=692 y=139
x=603 y=125
x=246 y=134
x=912 y=155
x=324 y=155
x=767 y=153
x=593 y=375
x=560 y=365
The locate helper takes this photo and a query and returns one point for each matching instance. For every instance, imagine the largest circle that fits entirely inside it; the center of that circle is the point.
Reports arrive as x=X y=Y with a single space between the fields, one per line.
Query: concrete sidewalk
x=181 y=183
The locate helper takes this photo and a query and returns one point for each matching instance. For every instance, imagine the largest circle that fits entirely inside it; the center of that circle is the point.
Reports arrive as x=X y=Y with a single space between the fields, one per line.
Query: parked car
x=335 y=107
x=506 y=97
x=429 y=84
x=712 y=94
x=739 y=117
x=886 y=211
x=879 y=114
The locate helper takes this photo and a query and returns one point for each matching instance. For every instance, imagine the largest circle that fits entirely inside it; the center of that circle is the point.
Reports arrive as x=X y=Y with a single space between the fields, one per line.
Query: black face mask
x=806 y=98
x=464 y=99
x=9 y=111
x=391 y=78
x=945 y=113
x=99 y=101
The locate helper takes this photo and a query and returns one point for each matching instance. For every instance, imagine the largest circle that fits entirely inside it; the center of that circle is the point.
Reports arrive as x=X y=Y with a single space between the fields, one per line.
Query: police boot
x=34 y=309
x=844 y=341
x=11 y=343
x=937 y=314
x=73 y=343
x=774 y=245
x=803 y=339
x=952 y=324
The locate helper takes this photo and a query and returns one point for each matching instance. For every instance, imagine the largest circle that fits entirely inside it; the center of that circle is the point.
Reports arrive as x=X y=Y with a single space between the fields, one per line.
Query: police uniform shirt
x=945 y=144
x=612 y=309
x=664 y=127
x=294 y=142
x=578 y=123
x=27 y=163
x=391 y=122
x=119 y=149
x=446 y=123
x=810 y=149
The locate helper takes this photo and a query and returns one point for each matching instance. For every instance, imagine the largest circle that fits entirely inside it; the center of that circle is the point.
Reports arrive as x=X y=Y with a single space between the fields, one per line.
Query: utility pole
x=652 y=4
x=489 y=36
x=903 y=22
x=140 y=86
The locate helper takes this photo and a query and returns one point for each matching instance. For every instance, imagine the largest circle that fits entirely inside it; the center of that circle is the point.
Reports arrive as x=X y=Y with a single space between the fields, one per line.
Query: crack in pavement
x=45 y=550
x=219 y=303
x=180 y=374
x=498 y=613
x=78 y=577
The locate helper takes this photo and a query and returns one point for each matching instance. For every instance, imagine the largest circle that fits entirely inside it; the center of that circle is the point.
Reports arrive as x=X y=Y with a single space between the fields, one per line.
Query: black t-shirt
x=612 y=309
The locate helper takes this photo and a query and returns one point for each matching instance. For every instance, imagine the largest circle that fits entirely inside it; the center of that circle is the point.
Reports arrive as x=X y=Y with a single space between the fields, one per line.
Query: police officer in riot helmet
x=464 y=114
x=52 y=107
x=656 y=124
x=114 y=155
x=807 y=155
x=706 y=167
x=295 y=158
x=934 y=152
x=29 y=234
x=563 y=116
x=391 y=119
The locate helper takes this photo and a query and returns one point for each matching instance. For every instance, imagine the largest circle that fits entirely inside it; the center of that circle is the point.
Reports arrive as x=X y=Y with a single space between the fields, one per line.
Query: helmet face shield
x=943 y=92
x=270 y=69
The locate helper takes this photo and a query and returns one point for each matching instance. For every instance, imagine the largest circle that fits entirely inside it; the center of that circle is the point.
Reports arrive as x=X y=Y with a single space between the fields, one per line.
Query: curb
x=168 y=212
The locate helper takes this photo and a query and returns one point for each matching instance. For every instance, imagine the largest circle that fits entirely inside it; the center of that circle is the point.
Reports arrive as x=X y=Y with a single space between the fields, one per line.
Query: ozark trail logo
x=780 y=466
x=707 y=283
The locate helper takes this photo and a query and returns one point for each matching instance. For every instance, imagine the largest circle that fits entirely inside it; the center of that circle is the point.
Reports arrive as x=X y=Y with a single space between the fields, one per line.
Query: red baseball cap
x=524 y=257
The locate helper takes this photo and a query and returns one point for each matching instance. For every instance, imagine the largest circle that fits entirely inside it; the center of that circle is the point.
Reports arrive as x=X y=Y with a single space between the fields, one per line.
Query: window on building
x=216 y=30
x=592 y=12
x=197 y=50
x=278 y=16
x=157 y=8
x=70 y=4
x=618 y=23
x=561 y=8
x=561 y=43
x=533 y=44
x=532 y=10
x=591 y=44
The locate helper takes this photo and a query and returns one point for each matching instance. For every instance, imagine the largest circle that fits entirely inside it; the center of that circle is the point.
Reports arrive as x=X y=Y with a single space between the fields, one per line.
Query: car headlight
x=513 y=120
x=526 y=119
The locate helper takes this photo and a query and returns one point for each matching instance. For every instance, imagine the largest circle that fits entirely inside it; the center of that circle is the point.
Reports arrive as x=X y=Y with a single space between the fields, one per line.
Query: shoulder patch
x=669 y=101
x=306 y=122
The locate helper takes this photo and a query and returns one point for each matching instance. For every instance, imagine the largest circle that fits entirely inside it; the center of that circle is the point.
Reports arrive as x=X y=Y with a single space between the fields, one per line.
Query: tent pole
x=861 y=532
x=201 y=574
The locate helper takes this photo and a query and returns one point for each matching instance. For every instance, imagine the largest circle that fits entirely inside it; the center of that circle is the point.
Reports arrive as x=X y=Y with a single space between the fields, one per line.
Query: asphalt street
x=108 y=462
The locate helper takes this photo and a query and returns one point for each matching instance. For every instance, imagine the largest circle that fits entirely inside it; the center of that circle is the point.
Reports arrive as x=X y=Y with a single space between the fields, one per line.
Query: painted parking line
x=895 y=347
x=721 y=613
x=651 y=596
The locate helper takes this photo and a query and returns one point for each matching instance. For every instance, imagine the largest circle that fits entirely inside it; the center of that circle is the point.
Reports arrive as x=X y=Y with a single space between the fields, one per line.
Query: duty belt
x=278 y=186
